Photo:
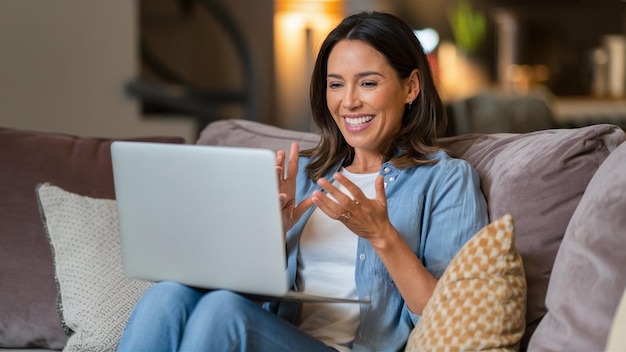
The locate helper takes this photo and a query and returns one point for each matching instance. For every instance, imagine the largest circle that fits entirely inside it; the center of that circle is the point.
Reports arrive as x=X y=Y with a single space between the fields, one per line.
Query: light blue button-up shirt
x=436 y=208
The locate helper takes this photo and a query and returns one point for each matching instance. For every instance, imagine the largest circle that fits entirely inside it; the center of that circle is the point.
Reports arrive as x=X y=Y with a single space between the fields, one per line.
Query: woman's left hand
x=365 y=217
x=368 y=218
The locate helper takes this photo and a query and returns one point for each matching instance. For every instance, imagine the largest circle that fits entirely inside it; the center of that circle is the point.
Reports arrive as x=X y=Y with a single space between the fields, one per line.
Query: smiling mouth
x=358 y=121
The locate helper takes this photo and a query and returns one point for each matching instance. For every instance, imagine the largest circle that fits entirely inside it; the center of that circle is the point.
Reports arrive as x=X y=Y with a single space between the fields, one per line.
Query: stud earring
x=410 y=103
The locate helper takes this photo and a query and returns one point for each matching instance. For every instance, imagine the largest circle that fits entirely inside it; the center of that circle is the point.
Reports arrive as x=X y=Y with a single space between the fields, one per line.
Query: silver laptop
x=205 y=216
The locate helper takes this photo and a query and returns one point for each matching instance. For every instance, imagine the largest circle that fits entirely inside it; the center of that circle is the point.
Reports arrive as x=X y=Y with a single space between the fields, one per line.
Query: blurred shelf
x=584 y=111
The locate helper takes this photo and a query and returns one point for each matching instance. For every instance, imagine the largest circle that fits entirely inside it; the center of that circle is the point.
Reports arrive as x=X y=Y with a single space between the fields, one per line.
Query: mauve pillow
x=28 y=315
x=538 y=178
x=588 y=278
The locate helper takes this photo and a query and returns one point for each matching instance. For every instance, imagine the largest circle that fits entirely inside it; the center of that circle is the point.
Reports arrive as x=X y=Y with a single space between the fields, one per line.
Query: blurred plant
x=468 y=26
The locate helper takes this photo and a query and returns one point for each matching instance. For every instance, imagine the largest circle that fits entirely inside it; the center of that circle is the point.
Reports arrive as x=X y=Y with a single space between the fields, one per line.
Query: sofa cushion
x=479 y=301
x=538 y=178
x=588 y=278
x=94 y=296
x=28 y=316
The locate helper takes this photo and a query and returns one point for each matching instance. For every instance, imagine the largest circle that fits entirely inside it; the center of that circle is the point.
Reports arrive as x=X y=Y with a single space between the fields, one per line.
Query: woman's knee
x=221 y=321
x=227 y=308
x=159 y=318
x=225 y=301
x=169 y=298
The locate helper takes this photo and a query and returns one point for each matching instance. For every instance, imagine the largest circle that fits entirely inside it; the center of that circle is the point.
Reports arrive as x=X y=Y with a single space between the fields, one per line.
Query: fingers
x=327 y=205
x=342 y=198
x=292 y=214
x=292 y=164
x=292 y=167
x=287 y=186
x=302 y=207
x=279 y=174
x=340 y=208
x=354 y=190
x=280 y=161
x=280 y=158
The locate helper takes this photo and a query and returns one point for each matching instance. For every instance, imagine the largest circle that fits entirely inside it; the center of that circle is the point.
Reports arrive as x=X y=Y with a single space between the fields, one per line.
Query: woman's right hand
x=291 y=212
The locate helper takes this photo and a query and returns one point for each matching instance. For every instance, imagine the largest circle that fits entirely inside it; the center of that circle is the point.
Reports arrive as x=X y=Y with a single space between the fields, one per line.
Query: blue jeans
x=175 y=317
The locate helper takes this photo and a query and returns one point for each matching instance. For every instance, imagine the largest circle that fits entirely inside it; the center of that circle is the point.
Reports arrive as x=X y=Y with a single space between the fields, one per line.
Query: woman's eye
x=334 y=85
x=368 y=84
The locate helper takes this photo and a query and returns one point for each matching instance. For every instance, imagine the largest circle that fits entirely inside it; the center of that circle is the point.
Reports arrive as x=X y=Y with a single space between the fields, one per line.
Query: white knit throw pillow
x=94 y=297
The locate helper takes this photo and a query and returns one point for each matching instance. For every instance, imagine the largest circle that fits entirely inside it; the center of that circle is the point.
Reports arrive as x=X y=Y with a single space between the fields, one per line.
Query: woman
x=376 y=211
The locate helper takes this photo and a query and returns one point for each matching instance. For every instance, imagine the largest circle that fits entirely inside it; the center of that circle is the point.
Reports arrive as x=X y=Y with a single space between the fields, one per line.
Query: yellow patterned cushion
x=479 y=303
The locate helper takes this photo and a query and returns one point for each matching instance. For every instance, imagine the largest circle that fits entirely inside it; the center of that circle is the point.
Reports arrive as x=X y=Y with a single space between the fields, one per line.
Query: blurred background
x=121 y=68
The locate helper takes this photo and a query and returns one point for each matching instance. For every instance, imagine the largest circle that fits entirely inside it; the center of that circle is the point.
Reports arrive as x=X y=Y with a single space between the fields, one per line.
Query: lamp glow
x=428 y=37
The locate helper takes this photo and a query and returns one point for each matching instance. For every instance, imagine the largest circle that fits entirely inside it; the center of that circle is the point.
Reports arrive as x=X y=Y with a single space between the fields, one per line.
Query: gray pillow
x=588 y=276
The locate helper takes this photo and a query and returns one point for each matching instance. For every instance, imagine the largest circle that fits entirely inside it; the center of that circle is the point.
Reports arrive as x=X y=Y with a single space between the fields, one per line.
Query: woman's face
x=364 y=94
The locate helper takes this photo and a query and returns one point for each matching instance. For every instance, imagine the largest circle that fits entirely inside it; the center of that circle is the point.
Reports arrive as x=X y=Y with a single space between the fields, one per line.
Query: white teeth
x=355 y=121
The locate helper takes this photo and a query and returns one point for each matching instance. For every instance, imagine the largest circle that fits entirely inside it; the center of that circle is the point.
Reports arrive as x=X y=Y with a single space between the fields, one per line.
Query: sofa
x=565 y=190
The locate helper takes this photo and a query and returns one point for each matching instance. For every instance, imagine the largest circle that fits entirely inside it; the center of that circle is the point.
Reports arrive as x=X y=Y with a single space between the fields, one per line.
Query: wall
x=63 y=65
x=197 y=49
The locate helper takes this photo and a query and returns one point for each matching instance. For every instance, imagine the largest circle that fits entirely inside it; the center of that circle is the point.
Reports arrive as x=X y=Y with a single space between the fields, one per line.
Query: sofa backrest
x=28 y=298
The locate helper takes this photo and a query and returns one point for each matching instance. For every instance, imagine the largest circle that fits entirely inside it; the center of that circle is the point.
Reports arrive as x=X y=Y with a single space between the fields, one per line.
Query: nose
x=351 y=98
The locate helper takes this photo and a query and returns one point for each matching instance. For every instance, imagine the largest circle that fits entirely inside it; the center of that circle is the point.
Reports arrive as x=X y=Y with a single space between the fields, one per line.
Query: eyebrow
x=358 y=75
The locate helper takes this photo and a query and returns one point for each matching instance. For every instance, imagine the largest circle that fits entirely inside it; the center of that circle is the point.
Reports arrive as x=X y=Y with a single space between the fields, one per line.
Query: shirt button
x=386 y=170
x=391 y=179
x=362 y=256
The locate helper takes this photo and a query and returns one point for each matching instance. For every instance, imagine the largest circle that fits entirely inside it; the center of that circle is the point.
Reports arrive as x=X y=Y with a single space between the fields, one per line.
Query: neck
x=365 y=164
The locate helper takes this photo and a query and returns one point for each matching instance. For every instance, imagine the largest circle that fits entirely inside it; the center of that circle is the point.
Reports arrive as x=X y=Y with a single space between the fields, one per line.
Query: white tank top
x=326 y=266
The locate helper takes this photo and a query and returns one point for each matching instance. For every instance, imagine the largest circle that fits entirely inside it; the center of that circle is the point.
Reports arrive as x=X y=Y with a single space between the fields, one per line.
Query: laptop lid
x=204 y=216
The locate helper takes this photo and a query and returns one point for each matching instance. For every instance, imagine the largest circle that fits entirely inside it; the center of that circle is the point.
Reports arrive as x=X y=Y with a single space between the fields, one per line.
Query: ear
x=412 y=84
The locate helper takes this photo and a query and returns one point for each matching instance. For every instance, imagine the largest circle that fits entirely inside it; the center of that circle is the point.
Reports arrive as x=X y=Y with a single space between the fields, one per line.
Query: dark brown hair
x=422 y=123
